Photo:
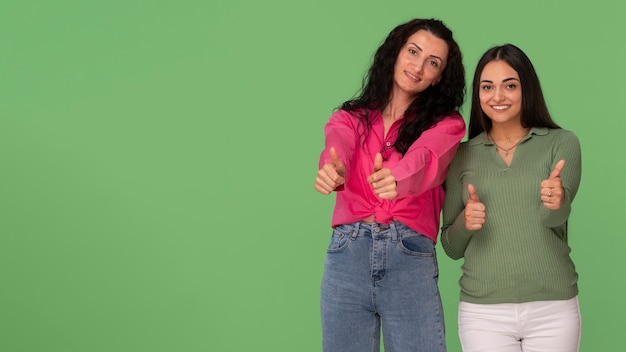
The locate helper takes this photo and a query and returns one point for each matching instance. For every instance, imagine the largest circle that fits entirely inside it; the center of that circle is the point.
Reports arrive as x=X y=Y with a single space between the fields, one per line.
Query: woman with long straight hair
x=508 y=199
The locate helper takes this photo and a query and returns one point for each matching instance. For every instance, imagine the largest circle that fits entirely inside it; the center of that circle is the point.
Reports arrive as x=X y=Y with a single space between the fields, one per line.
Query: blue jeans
x=376 y=276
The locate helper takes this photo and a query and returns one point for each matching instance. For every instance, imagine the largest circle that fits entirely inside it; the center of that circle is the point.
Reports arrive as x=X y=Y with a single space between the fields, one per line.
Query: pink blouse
x=419 y=174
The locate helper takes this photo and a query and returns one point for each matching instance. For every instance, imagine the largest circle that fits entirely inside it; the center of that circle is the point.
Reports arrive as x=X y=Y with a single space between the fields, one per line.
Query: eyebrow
x=422 y=50
x=504 y=80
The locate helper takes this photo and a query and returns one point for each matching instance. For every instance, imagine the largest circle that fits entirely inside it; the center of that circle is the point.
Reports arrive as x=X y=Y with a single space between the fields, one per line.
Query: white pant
x=542 y=326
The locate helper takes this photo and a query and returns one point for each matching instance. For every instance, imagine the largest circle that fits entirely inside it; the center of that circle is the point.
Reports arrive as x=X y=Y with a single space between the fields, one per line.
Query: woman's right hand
x=474 y=214
x=331 y=175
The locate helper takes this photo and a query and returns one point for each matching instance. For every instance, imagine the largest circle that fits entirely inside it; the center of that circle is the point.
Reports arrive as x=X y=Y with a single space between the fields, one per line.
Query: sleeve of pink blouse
x=340 y=133
x=425 y=164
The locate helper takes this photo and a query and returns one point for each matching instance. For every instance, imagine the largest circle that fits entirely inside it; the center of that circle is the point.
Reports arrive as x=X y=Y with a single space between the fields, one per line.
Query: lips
x=412 y=77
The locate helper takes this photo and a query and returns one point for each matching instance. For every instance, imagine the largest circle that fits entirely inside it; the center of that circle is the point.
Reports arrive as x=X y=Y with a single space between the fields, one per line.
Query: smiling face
x=420 y=63
x=500 y=93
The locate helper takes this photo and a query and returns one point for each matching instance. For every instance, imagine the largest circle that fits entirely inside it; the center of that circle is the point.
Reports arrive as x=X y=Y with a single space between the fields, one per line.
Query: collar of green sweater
x=483 y=139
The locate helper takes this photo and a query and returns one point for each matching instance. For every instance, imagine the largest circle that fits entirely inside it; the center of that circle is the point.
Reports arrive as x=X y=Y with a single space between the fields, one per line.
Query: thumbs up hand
x=552 y=189
x=331 y=175
x=474 y=214
x=382 y=181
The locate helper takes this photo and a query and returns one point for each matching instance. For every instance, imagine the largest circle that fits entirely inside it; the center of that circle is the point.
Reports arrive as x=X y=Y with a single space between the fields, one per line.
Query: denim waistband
x=377 y=230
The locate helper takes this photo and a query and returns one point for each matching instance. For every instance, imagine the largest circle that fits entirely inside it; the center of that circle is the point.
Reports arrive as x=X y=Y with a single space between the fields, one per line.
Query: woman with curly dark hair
x=386 y=156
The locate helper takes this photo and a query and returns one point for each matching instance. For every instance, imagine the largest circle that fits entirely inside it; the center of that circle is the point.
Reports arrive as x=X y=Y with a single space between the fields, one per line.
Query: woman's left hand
x=382 y=181
x=551 y=189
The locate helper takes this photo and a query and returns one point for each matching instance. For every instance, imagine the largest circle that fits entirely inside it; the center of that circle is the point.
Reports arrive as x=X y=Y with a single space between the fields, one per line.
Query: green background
x=157 y=161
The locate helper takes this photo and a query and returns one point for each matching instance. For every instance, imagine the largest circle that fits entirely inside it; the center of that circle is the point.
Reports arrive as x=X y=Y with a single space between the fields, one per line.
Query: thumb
x=378 y=162
x=334 y=158
x=473 y=196
x=557 y=169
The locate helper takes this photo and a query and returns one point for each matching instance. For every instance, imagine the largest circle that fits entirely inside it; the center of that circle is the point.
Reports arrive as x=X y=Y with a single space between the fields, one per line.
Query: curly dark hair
x=431 y=105
x=534 y=109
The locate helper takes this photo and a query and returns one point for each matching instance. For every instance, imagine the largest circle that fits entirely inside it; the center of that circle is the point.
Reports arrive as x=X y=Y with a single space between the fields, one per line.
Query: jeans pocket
x=418 y=245
x=339 y=240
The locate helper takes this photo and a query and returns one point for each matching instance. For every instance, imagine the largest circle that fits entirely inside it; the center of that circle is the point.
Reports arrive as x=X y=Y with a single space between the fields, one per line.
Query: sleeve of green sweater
x=566 y=147
x=454 y=235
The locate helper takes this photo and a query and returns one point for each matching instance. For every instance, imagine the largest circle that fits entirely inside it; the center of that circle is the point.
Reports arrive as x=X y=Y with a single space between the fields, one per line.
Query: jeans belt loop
x=394 y=231
x=355 y=233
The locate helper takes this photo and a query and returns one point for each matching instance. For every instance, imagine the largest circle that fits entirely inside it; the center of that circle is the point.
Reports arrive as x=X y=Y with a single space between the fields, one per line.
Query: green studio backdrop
x=158 y=158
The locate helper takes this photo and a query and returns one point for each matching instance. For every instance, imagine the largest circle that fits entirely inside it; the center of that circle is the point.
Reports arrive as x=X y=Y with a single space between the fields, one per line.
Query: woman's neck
x=395 y=109
x=508 y=133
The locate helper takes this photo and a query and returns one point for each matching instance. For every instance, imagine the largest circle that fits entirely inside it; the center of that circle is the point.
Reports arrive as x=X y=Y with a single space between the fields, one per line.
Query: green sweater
x=521 y=253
